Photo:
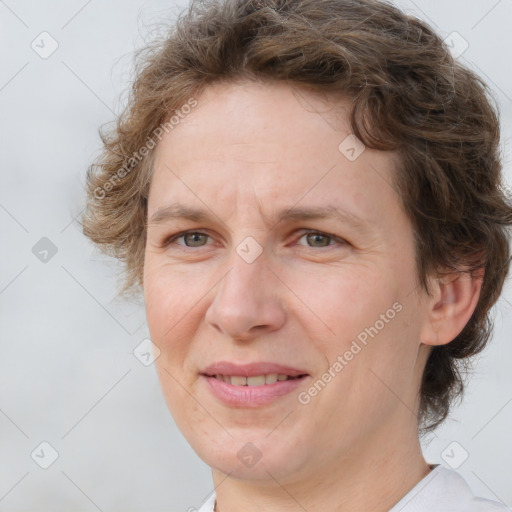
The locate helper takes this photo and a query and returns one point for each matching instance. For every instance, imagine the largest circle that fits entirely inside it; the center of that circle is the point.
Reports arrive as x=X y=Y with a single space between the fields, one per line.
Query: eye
x=196 y=239
x=191 y=239
x=319 y=239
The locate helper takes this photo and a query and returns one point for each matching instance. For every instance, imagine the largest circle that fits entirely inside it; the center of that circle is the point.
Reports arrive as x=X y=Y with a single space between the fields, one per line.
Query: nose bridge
x=243 y=278
x=246 y=297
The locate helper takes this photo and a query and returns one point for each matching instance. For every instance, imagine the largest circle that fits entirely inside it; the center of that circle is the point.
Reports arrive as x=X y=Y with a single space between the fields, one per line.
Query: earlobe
x=452 y=303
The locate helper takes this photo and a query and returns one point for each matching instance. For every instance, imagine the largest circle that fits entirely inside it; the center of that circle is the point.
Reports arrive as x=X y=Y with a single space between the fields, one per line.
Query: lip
x=251 y=369
x=251 y=396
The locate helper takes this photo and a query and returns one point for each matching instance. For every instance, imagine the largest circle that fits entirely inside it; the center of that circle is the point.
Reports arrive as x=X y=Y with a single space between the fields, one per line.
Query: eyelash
x=168 y=241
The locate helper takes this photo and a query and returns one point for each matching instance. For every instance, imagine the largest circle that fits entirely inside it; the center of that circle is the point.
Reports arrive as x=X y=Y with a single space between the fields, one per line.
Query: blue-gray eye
x=194 y=238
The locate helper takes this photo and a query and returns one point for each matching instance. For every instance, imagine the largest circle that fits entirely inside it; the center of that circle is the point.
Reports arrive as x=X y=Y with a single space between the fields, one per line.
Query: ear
x=453 y=299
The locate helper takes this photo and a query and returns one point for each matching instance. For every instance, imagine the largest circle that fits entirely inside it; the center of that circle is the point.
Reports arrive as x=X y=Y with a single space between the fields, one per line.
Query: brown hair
x=408 y=94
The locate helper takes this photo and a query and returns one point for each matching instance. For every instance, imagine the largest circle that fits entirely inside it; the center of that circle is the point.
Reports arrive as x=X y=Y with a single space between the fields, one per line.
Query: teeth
x=271 y=378
x=238 y=381
x=257 y=380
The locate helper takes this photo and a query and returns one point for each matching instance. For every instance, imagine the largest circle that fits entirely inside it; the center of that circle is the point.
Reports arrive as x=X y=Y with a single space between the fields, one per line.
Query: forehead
x=253 y=143
x=239 y=115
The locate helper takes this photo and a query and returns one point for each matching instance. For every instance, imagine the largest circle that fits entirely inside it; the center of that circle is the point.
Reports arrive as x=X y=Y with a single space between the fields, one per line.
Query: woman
x=308 y=195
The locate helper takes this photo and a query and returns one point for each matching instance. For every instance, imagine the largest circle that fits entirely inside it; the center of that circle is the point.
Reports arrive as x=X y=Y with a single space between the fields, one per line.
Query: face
x=275 y=247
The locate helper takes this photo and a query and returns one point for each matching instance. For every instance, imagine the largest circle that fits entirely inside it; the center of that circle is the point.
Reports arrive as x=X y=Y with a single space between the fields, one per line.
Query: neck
x=374 y=476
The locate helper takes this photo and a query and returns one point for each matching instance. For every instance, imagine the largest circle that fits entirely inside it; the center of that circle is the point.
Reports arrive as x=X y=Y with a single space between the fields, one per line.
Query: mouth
x=256 y=380
x=251 y=385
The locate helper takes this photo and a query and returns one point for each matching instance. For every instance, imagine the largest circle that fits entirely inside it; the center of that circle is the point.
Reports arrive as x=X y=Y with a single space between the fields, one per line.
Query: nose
x=248 y=301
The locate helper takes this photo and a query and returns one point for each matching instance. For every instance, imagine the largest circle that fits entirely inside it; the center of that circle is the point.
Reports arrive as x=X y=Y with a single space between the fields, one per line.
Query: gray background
x=68 y=375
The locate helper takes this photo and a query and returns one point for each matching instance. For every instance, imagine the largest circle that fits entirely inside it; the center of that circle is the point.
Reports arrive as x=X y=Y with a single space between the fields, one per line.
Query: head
x=250 y=110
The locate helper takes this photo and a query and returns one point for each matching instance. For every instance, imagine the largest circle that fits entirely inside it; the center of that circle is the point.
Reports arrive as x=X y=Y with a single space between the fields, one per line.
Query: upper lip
x=251 y=369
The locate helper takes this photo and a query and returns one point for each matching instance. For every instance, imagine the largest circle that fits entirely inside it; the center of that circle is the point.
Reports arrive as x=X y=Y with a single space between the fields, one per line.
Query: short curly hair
x=408 y=94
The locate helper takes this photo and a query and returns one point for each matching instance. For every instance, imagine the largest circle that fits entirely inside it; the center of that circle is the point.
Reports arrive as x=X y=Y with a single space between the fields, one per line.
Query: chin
x=251 y=460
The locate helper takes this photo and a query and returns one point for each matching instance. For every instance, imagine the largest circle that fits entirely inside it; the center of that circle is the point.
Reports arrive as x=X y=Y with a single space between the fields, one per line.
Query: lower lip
x=251 y=396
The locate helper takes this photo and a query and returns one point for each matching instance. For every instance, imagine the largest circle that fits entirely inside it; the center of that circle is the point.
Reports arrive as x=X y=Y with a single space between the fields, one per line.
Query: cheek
x=158 y=302
x=170 y=317
x=170 y=298
x=371 y=355
x=365 y=317
x=171 y=309
x=342 y=302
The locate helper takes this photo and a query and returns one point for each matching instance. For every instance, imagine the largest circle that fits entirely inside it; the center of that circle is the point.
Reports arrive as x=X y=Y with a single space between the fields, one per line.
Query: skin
x=246 y=151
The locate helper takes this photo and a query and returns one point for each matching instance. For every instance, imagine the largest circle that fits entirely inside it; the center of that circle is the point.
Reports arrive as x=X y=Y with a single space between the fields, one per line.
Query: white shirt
x=442 y=490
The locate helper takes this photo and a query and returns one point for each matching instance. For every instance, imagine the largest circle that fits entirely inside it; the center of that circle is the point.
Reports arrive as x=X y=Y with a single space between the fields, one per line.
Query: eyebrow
x=180 y=211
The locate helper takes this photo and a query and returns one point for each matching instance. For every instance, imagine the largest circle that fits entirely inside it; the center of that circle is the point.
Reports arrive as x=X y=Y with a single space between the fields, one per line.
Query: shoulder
x=455 y=486
x=445 y=490
x=442 y=490
x=208 y=505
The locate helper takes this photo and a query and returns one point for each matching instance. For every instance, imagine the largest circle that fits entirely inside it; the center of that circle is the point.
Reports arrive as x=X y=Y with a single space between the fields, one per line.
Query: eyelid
x=337 y=239
x=172 y=238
